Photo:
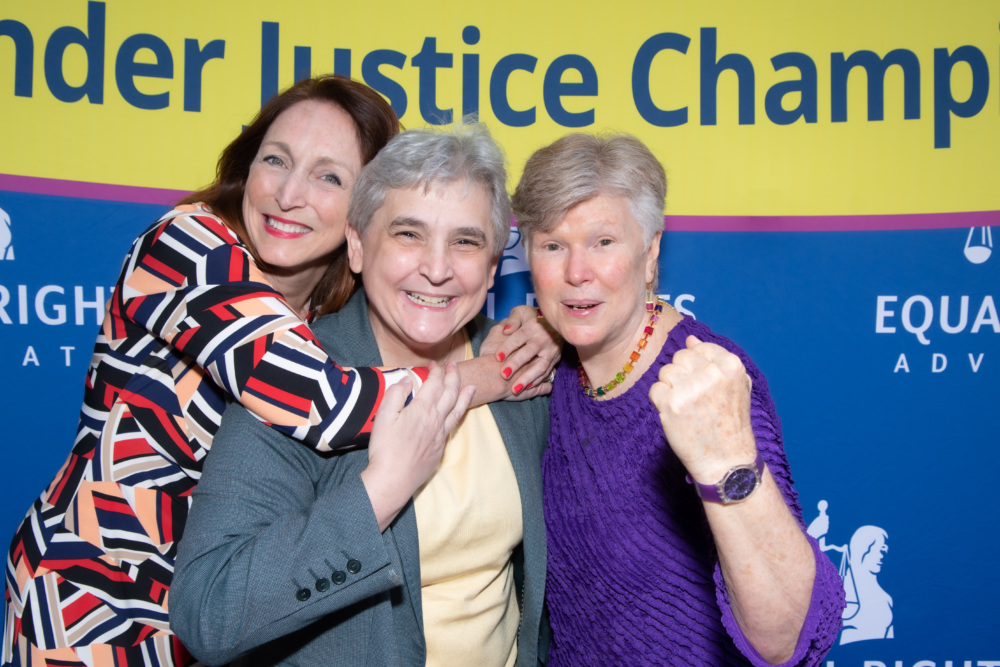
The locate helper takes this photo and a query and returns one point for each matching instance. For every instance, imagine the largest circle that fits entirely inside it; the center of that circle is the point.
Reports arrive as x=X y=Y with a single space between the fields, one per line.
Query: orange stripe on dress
x=288 y=399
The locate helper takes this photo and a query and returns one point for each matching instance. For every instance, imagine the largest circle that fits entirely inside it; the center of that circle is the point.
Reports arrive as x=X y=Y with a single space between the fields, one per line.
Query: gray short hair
x=578 y=168
x=423 y=158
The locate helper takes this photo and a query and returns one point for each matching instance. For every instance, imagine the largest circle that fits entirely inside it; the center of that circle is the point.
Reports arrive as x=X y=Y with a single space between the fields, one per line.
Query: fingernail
x=506 y=326
x=501 y=356
x=530 y=385
x=506 y=372
x=517 y=388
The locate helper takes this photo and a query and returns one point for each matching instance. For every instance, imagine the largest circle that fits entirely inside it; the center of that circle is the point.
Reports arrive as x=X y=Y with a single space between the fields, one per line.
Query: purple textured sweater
x=633 y=577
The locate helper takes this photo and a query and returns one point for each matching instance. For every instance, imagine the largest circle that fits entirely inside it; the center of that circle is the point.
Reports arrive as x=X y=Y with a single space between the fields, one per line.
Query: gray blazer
x=282 y=560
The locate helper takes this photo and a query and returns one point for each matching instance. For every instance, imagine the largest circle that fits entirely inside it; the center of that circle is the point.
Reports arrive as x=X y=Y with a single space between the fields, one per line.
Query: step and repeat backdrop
x=834 y=182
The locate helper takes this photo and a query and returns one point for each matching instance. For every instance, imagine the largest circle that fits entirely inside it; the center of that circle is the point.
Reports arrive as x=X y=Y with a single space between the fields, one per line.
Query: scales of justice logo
x=868 y=614
x=979 y=247
x=6 y=240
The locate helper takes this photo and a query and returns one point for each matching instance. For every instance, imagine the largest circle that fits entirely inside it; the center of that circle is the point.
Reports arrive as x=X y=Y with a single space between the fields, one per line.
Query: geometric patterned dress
x=192 y=324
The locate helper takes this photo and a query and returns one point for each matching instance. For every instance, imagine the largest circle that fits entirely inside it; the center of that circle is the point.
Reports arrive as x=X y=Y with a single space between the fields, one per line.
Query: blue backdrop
x=882 y=350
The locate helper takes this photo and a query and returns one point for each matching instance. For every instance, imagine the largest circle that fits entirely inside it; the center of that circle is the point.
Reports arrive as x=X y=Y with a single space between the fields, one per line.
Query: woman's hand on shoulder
x=528 y=351
x=407 y=443
x=703 y=397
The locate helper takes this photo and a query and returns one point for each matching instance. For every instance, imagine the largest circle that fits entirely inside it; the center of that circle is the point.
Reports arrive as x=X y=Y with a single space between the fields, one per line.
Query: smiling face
x=295 y=202
x=590 y=273
x=426 y=261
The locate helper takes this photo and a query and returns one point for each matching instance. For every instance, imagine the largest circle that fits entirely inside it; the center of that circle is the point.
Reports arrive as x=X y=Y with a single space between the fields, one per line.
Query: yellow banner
x=767 y=108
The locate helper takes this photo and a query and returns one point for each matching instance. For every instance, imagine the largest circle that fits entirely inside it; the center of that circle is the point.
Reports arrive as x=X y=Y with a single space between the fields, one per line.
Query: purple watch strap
x=736 y=485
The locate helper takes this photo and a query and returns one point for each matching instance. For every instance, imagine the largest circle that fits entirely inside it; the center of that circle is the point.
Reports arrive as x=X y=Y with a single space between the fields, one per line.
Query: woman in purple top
x=675 y=536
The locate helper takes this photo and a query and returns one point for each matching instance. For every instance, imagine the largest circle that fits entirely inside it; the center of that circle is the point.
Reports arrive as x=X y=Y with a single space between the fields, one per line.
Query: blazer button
x=354 y=566
x=322 y=585
x=303 y=594
x=338 y=577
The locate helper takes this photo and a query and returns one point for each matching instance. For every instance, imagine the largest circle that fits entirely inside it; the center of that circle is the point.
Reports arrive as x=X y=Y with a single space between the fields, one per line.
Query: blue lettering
x=24 y=55
x=470 y=73
x=268 y=61
x=498 y=89
x=875 y=69
x=711 y=68
x=805 y=87
x=373 y=76
x=641 y=66
x=194 y=62
x=944 y=103
x=93 y=45
x=126 y=69
x=554 y=88
x=342 y=62
x=302 y=63
x=427 y=62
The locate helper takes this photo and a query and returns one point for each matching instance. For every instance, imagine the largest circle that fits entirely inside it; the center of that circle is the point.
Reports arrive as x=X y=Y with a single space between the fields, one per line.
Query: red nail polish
x=530 y=385
x=506 y=372
x=501 y=356
x=518 y=388
x=506 y=326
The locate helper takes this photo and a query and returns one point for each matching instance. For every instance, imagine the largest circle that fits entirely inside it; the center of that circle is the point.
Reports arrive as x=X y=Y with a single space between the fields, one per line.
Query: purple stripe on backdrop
x=830 y=223
x=673 y=223
x=83 y=190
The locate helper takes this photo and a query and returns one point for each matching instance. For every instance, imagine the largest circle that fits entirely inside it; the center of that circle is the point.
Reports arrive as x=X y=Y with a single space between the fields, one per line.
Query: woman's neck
x=395 y=352
x=602 y=366
x=296 y=288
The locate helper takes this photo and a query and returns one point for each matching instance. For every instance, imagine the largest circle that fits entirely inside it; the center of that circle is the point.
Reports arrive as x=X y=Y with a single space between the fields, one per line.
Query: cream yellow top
x=468 y=523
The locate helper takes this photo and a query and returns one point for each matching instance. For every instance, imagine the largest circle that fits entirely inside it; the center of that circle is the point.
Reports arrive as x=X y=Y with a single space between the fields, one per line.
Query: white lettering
x=30 y=356
x=881 y=312
x=988 y=663
x=963 y=315
x=4 y=300
x=682 y=299
x=22 y=304
x=901 y=364
x=928 y=317
x=874 y=663
x=987 y=315
x=59 y=309
x=975 y=362
x=924 y=663
x=67 y=349
x=81 y=304
x=939 y=362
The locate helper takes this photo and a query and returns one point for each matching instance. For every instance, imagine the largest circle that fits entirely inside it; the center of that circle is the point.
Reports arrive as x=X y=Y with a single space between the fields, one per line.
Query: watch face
x=740 y=484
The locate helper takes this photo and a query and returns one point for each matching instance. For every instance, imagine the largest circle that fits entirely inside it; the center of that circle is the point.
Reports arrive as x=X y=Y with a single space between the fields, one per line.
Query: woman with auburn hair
x=211 y=307
x=675 y=536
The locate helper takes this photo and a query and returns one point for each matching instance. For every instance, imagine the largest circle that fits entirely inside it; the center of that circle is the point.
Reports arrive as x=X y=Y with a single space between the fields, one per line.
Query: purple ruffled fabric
x=633 y=578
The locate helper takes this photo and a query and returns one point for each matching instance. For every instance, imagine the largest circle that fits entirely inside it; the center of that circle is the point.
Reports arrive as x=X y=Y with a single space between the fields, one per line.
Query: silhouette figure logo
x=868 y=614
x=6 y=240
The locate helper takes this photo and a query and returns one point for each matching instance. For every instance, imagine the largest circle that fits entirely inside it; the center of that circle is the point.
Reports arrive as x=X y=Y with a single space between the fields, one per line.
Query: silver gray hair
x=425 y=158
x=581 y=166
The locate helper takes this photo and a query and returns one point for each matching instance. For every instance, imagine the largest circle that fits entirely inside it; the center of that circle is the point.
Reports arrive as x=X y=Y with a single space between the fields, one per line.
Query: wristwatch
x=735 y=486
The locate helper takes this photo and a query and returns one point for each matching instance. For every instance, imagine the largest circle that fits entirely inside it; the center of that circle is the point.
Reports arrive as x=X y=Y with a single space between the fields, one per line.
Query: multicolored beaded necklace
x=654 y=308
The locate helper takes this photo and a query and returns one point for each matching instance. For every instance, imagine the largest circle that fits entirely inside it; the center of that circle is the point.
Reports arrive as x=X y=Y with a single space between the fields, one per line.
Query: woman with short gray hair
x=398 y=555
x=674 y=534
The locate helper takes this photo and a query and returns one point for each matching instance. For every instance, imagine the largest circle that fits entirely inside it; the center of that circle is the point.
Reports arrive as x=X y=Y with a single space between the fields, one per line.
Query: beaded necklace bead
x=654 y=308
